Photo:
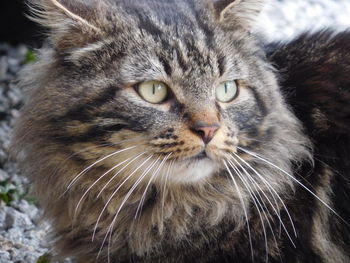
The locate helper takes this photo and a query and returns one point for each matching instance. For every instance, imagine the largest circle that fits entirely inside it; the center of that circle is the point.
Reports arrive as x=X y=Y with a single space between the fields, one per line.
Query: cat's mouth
x=201 y=156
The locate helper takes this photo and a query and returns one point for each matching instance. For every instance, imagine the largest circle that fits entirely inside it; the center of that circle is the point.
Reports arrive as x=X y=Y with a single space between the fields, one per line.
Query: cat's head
x=154 y=86
x=167 y=103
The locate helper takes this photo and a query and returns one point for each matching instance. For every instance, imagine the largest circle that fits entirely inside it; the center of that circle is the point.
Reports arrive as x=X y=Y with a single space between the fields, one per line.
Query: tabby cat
x=165 y=131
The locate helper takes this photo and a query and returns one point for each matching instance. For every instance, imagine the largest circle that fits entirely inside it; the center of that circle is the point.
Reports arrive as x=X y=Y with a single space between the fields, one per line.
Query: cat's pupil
x=154 y=89
x=226 y=88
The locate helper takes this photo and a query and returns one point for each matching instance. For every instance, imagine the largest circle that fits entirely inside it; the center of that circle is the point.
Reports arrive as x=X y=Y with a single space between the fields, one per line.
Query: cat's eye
x=226 y=91
x=153 y=91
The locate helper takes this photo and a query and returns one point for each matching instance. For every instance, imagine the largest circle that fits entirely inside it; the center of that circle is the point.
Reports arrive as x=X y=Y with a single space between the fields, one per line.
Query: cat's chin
x=193 y=170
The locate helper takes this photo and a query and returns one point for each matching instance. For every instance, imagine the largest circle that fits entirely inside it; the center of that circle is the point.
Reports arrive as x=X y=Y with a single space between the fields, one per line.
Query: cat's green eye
x=153 y=91
x=226 y=91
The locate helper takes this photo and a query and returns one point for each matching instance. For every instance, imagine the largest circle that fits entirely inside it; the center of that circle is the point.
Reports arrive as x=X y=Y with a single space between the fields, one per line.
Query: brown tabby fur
x=83 y=117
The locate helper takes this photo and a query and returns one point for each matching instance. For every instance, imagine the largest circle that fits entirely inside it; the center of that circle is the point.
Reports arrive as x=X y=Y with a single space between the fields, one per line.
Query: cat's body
x=314 y=75
x=204 y=173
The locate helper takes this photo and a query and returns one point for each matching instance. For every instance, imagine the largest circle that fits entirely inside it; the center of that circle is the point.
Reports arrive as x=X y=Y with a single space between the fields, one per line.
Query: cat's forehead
x=175 y=38
x=188 y=65
x=166 y=19
x=166 y=11
x=177 y=42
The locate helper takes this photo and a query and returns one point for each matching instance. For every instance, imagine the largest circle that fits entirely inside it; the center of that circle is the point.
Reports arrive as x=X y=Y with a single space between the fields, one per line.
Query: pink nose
x=205 y=131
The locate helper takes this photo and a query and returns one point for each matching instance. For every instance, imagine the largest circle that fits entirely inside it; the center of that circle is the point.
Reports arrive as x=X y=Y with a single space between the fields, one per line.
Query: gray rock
x=14 y=235
x=14 y=65
x=4 y=257
x=3 y=156
x=3 y=67
x=14 y=96
x=24 y=255
x=32 y=258
x=16 y=219
x=28 y=209
x=2 y=217
x=3 y=175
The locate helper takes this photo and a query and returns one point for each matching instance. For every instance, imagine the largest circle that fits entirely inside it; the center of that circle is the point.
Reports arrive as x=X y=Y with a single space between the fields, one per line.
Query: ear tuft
x=220 y=5
x=238 y=12
x=72 y=23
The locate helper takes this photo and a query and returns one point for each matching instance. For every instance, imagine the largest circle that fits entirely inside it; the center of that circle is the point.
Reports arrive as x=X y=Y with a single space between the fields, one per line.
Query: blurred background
x=15 y=28
x=282 y=19
x=22 y=234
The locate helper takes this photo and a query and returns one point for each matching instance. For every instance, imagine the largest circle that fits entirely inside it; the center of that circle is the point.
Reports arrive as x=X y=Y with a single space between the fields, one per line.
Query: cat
x=165 y=131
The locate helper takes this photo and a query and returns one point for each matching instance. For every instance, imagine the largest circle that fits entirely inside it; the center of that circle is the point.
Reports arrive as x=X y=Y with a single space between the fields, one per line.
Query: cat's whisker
x=143 y=175
x=102 y=176
x=114 y=193
x=255 y=200
x=254 y=181
x=278 y=213
x=171 y=165
x=119 y=172
x=295 y=180
x=110 y=144
x=95 y=163
x=270 y=187
x=150 y=181
x=243 y=207
x=257 y=189
x=96 y=181
x=141 y=202
x=124 y=200
x=251 y=139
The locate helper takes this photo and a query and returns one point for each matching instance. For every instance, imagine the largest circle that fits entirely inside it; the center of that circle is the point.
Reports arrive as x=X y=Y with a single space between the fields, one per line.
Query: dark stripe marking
x=83 y=112
x=167 y=68
x=95 y=133
x=209 y=34
x=260 y=102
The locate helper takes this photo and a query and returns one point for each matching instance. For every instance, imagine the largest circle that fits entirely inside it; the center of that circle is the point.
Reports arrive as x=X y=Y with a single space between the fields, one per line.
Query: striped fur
x=123 y=180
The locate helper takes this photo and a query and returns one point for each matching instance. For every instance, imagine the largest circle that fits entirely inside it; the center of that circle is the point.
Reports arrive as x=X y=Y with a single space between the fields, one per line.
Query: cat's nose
x=205 y=131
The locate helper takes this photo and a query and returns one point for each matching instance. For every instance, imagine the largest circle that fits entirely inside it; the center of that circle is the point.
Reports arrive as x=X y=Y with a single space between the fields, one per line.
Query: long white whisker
x=150 y=181
x=111 y=226
x=115 y=192
x=165 y=184
x=255 y=199
x=99 y=179
x=124 y=200
x=89 y=148
x=119 y=172
x=295 y=180
x=256 y=187
x=276 y=212
x=243 y=206
x=95 y=163
x=142 y=199
x=270 y=187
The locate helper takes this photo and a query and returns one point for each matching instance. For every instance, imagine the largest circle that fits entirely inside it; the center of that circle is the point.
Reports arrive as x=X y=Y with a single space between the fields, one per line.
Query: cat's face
x=173 y=96
x=142 y=87
x=170 y=80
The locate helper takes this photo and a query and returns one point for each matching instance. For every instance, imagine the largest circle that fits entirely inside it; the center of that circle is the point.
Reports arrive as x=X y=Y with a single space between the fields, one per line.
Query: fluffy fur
x=121 y=179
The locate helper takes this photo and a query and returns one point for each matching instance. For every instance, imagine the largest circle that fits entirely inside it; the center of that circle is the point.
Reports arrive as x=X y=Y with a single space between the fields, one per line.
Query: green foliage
x=30 y=57
x=8 y=192
x=46 y=258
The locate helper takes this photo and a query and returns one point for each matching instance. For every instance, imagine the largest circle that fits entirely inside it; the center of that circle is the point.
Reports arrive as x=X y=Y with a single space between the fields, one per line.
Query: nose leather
x=205 y=131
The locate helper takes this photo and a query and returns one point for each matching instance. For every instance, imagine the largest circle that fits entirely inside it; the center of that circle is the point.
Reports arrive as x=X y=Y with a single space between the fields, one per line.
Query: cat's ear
x=72 y=23
x=238 y=12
